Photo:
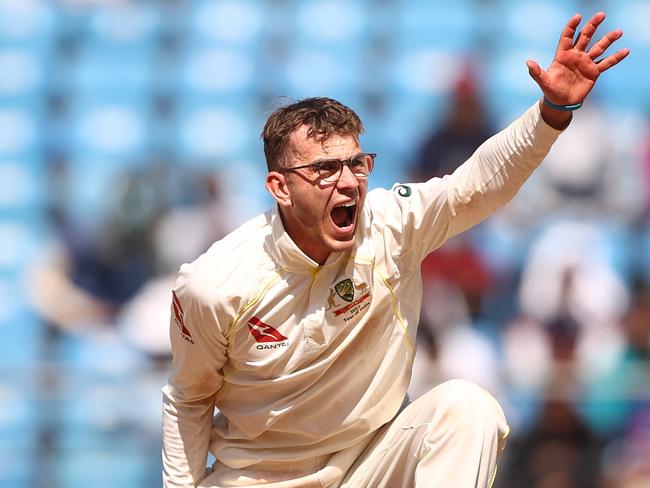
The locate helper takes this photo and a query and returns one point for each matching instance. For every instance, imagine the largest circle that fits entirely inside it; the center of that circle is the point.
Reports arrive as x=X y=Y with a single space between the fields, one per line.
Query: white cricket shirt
x=303 y=360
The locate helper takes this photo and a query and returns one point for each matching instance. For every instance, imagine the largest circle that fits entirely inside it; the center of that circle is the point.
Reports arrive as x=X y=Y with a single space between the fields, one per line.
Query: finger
x=536 y=73
x=568 y=33
x=575 y=43
x=606 y=63
x=601 y=46
x=588 y=31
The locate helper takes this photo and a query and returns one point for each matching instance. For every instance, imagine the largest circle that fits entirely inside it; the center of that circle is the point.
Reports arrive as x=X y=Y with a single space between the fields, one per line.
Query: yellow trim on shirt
x=394 y=300
x=396 y=312
x=494 y=476
x=257 y=298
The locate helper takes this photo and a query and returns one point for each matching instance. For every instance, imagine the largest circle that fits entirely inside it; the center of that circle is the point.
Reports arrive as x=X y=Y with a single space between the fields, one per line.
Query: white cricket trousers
x=448 y=438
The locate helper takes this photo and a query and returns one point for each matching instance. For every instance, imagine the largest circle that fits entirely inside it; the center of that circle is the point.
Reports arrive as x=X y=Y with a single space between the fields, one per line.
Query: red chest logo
x=264 y=332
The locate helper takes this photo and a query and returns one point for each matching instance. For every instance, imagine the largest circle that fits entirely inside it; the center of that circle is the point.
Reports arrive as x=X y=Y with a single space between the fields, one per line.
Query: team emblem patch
x=345 y=289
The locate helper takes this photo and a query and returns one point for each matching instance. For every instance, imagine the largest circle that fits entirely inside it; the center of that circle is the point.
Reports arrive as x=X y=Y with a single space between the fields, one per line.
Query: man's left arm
x=499 y=168
x=441 y=208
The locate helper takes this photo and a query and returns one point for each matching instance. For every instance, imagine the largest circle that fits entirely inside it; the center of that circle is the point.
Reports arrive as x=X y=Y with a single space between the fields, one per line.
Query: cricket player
x=299 y=326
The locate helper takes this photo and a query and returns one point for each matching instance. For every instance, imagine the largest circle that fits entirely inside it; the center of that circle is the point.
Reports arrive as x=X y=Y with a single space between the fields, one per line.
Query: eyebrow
x=337 y=159
x=324 y=160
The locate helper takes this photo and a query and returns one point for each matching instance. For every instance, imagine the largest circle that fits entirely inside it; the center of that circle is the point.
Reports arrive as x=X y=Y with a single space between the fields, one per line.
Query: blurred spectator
x=82 y=280
x=463 y=129
x=450 y=345
x=118 y=270
x=455 y=277
x=458 y=263
x=559 y=450
x=597 y=296
x=181 y=234
x=593 y=172
x=589 y=186
x=622 y=390
x=570 y=281
x=645 y=159
x=625 y=460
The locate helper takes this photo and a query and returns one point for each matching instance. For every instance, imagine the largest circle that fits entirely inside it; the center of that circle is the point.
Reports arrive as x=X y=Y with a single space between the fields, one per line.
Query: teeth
x=346 y=205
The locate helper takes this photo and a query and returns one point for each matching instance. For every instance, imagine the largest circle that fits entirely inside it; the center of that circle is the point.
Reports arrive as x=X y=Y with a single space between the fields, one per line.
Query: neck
x=305 y=244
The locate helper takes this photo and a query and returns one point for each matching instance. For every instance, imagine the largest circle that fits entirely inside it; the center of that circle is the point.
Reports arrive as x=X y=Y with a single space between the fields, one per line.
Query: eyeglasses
x=329 y=170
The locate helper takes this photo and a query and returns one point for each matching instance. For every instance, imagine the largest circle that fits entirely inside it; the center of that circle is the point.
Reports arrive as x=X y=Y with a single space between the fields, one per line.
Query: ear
x=276 y=185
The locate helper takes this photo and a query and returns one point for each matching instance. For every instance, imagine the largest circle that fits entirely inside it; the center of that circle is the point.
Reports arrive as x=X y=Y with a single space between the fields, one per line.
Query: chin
x=338 y=245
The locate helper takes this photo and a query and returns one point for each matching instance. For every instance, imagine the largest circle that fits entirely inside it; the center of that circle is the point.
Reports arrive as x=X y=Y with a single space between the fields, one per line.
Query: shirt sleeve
x=199 y=352
x=420 y=217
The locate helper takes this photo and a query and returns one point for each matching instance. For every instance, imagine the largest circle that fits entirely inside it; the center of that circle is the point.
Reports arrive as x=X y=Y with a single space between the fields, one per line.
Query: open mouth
x=343 y=215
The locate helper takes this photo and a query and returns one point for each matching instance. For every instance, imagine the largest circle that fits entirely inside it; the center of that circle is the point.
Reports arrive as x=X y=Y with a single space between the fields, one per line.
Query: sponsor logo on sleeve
x=404 y=190
x=179 y=318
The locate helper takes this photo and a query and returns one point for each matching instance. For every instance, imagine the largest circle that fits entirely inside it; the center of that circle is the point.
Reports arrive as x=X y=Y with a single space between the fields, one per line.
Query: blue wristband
x=566 y=108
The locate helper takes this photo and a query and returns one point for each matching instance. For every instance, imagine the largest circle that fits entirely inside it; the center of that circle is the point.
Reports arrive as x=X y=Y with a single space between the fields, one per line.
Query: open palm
x=574 y=69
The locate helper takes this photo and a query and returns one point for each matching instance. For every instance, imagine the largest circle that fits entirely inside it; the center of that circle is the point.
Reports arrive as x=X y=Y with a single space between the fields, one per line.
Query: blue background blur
x=116 y=115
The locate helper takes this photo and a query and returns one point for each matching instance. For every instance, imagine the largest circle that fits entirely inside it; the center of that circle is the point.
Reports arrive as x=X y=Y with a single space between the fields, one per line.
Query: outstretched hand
x=574 y=70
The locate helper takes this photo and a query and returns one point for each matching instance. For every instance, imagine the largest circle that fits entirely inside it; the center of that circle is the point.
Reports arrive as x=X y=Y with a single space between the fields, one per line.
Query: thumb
x=535 y=72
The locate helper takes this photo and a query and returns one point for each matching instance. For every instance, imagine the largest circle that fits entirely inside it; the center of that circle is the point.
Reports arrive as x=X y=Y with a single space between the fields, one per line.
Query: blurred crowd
x=556 y=321
x=546 y=304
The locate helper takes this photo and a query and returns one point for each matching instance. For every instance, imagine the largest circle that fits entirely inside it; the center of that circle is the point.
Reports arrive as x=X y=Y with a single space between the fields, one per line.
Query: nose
x=347 y=179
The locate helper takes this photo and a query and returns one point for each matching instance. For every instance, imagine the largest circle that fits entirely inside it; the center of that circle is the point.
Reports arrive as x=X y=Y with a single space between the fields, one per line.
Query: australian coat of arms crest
x=345 y=289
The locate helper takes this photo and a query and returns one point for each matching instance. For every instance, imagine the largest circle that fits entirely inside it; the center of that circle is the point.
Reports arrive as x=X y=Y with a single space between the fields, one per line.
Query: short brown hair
x=324 y=117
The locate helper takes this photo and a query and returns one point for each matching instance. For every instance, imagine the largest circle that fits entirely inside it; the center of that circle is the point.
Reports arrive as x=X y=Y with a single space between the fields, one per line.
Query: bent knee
x=465 y=404
x=463 y=392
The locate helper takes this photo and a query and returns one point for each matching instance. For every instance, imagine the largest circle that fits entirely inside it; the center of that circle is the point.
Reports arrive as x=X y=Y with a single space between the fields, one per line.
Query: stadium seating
x=113 y=86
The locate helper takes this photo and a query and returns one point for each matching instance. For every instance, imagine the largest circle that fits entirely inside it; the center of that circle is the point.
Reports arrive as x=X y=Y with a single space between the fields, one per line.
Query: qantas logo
x=179 y=318
x=265 y=335
x=264 y=332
